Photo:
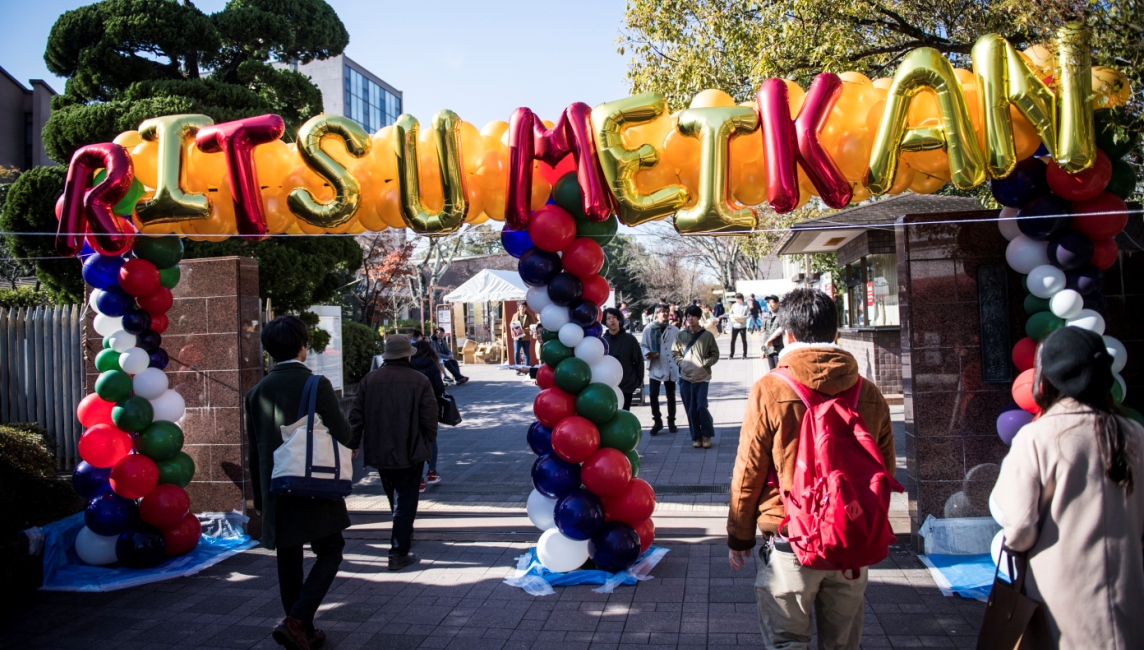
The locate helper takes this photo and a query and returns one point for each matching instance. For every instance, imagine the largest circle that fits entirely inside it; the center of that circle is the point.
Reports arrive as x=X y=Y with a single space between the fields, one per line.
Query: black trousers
x=627 y=399
x=453 y=367
x=653 y=393
x=741 y=332
x=401 y=487
x=301 y=599
x=773 y=360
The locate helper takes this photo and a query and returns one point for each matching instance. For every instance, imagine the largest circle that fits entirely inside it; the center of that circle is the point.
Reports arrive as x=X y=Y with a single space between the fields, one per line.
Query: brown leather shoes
x=291 y=633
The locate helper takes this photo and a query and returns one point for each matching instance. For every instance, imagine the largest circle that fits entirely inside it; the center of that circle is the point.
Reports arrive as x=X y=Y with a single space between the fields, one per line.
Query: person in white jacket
x=661 y=368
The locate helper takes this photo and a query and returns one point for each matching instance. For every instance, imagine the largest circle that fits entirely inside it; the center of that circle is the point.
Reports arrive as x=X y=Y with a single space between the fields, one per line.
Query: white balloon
x=994 y=509
x=995 y=551
x=1088 y=319
x=1118 y=351
x=94 y=298
x=590 y=350
x=561 y=554
x=169 y=406
x=1008 y=224
x=541 y=510
x=1024 y=254
x=121 y=341
x=151 y=383
x=553 y=317
x=1066 y=304
x=1123 y=385
x=1046 y=280
x=607 y=371
x=619 y=398
x=134 y=360
x=538 y=298
x=93 y=549
x=571 y=334
x=107 y=325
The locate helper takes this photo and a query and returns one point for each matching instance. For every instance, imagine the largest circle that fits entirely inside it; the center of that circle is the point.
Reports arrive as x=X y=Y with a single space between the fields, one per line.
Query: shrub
x=360 y=344
x=31 y=492
x=23 y=297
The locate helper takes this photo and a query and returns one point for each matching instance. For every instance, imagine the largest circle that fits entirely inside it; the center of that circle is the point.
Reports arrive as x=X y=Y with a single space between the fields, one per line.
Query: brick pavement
x=455 y=598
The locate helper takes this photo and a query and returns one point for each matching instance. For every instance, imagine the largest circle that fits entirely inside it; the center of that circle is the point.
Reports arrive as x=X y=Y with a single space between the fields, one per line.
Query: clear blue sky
x=480 y=59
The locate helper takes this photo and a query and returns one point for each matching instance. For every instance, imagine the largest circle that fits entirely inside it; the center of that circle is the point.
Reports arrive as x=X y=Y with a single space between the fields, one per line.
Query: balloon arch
x=562 y=188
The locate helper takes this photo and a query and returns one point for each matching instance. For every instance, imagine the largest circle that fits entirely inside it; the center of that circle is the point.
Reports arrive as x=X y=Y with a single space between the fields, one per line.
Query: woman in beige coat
x=1067 y=495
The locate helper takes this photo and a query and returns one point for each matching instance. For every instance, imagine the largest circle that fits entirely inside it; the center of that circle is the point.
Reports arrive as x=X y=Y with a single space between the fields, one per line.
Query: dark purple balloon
x=554 y=477
x=596 y=330
x=141 y=547
x=1010 y=422
x=515 y=242
x=1025 y=183
x=1043 y=216
x=88 y=479
x=1070 y=250
x=537 y=267
x=615 y=547
x=565 y=289
x=1085 y=280
x=579 y=515
x=607 y=348
x=159 y=359
x=1096 y=302
x=539 y=439
x=107 y=513
x=113 y=302
x=136 y=321
x=584 y=313
x=149 y=340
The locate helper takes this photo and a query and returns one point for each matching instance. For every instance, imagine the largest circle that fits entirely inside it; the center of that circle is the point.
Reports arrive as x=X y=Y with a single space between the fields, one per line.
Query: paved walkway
x=471 y=530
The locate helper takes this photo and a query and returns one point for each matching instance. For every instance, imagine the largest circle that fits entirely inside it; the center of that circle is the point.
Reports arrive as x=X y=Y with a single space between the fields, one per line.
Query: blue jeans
x=699 y=419
x=525 y=346
x=433 y=458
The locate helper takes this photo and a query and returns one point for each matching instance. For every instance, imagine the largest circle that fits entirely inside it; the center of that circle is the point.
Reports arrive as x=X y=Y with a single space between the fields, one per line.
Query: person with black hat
x=1067 y=495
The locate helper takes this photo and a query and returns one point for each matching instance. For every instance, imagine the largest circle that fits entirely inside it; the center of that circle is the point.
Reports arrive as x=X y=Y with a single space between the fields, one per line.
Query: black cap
x=771 y=297
x=1077 y=362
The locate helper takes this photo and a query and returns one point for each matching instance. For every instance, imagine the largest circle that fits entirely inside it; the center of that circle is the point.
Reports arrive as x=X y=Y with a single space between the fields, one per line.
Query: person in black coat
x=426 y=361
x=626 y=349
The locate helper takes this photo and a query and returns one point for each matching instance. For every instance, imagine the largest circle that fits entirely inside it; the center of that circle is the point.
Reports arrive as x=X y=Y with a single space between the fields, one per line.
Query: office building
x=351 y=90
x=23 y=113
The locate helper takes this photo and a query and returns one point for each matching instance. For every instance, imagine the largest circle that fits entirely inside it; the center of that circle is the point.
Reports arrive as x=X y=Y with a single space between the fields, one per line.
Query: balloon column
x=1061 y=229
x=134 y=470
x=587 y=499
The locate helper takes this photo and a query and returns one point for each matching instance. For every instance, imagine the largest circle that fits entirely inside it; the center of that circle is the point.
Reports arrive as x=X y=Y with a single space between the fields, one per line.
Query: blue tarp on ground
x=968 y=576
x=64 y=571
x=532 y=577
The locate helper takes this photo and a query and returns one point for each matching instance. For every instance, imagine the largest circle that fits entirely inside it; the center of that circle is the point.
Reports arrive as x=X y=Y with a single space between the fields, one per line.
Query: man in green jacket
x=695 y=351
x=289 y=522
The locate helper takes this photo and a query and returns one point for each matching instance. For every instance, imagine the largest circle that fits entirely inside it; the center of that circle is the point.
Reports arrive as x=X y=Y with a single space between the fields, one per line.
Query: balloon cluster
x=1061 y=229
x=586 y=498
x=134 y=471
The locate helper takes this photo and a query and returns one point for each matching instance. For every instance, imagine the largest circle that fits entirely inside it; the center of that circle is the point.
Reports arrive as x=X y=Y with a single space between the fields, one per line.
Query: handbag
x=310 y=462
x=1013 y=620
x=448 y=413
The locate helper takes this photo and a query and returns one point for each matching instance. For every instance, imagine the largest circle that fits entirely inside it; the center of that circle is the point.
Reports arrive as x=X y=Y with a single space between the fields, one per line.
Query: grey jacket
x=661 y=368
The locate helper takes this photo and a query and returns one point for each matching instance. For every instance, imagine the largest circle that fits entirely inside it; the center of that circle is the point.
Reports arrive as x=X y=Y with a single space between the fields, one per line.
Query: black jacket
x=394 y=415
x=427 y=367
x=626 y=349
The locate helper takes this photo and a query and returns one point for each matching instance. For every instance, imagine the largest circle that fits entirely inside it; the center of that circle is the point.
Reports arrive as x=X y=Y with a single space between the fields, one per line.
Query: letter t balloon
x=237 y=141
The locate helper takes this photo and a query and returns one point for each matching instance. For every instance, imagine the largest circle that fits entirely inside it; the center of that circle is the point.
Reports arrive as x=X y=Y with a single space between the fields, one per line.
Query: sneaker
x=291 y=633
x=696 y=443
x=671 y=427
x=318 y=640
x=422 y=489
x=656 y=427
x=433 y=478
x=399 y=562
x=706 y=443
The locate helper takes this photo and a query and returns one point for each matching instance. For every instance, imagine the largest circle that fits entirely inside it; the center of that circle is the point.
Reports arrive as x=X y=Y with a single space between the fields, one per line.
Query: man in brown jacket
x=785 y=590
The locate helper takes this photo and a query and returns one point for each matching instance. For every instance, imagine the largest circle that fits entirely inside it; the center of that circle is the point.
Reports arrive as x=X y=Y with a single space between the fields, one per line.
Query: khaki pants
x=786 y=591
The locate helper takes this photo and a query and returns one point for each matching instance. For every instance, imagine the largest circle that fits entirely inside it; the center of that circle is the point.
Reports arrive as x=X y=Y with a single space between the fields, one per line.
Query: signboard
x=869 y=294
x=445 y=320
x=329 y=362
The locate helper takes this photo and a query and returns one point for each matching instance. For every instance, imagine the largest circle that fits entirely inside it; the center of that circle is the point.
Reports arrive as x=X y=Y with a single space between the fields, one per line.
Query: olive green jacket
x=695 y=365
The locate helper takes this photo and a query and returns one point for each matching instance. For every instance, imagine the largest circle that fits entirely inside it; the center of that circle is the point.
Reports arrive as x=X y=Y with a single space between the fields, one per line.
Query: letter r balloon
x=87 y=209
x=236 y=140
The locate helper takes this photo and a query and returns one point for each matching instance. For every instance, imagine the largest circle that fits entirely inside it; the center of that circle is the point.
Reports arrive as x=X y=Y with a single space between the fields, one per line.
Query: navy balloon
x=515 y=242
x=1043 y=216
x=1085 y=280
x=140 y=547
x=1096 y=302
x=159 y=359
x=1070 y=250
x=85 y=252
x=539 y=439
x=579 y=515
x=596 y=330
x=113 y=301
x=149 y=340
x=584 y=313
x=615 y=547
x=102 y=271
x=537 y=267
x=607 y=348
x=136 y=321
x=565 y=289
x=554 y=477
x=1025 y=183
x=107 y=513
x=88 y=479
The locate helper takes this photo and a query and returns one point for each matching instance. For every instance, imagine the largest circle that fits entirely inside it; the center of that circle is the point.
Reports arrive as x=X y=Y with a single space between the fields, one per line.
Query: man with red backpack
x=814 y=481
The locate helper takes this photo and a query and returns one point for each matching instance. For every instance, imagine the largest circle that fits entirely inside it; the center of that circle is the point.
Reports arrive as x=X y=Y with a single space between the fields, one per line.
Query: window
x=870 y=298
x=367 y=103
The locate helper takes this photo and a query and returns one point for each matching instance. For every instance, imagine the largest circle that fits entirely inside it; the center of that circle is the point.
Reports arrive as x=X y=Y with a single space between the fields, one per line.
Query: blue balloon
x=539 y=439
x=136 y=321
x=607 y=348
x=1070 y=250
x=85 y=252
x=1086 y=280
x=584 y=313
x=102 y=271
x=515 y=242
x=140 y=547
x=107 y=513
x=596 y=330
x=615 y=547
x=1044 y=216
x=88 y=479
x=113 y=301
x=159 y=359
x=149 y=340
x=580 y=514
x=1041 y=151
x=1025 y=183
x=565 y=289
x=553 y=477
x=538 y=267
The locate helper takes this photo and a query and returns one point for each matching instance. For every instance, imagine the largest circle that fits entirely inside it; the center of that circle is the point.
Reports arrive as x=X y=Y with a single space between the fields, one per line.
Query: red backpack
x=837 y=512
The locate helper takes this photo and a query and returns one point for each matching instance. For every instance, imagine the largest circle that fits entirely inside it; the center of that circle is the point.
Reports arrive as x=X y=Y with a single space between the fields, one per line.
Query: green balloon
x=597 y=402
x=553 y=352
x=634 y=459
x=1132 y=414
x=132 y=414
x=163 y=252
x=107 y=360
x=1041 y=324
x=621 y=432
x=1034 y=304
x=126 y=205
x=1117 y=392
x=566 y=195
x=178 y=470
x=1123 y=180
x=113 y=385
x=160 y=441
x=170 y=277
x=602 y=231
x=548 y=335
x=572 y=375
x=1108 y=138
x=607 y=267
x=106 y=343
x=1025 y=283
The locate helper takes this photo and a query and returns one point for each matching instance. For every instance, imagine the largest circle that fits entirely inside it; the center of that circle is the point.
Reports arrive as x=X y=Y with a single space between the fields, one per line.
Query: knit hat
x=1077 y=362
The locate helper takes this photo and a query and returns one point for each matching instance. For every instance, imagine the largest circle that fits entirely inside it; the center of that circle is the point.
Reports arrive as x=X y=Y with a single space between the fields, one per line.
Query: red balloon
x=646 y=531
x=1101 y=217
x=103 y=445
x=182 y=537
x=551 y=229
x=553 y=405
x=165 y=506
x=134 y=476
x=1024 y=353
x=1104 y=253
x=139 y=277
x=157 y=302
x=575 y=439
x=1081 y=186
x=1023 y=392
x=633 y=505
x=583 y=258
x=596 y=289
x=92 y=411
x=236 y=140
x=546 y=376
x=159 y=323
x=607 y=473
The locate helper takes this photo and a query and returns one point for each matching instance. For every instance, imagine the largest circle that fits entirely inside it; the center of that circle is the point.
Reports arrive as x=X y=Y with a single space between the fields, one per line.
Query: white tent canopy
x=490 y=286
